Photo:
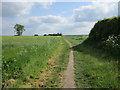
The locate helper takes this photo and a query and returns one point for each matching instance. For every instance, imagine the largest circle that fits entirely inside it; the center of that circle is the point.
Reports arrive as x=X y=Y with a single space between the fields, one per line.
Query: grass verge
x=93 y=68
x=52 y=76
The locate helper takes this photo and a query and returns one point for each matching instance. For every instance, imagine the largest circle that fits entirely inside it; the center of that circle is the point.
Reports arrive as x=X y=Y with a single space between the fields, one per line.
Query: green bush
x=106 y=35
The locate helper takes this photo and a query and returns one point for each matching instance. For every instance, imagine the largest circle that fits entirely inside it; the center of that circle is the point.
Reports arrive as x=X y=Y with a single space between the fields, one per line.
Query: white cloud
x=59 y=0
x=54 y=24
x=28 y=0
x=7 y=27
x=35 y=24
x=48 y=24
x=0 y=19
x=15 y=9
x=44 y=24
x=96 y=11
x=86 y=16
x=119 y=8
x=46 y=3
x=105 y=0
x=50 y=19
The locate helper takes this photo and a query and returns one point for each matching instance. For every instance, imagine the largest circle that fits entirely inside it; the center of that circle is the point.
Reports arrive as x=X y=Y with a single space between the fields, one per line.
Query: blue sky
x=69 y=18
x=58 y=8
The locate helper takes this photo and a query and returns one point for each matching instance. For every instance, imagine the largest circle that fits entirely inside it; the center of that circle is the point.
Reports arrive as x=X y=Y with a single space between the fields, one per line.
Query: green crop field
x=40 y=61
x=26 y=58
x=93 y=67
x=60 y=45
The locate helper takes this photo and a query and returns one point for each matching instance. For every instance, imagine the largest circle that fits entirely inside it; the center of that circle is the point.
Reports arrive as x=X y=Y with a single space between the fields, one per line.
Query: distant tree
x=36 y=35
x=19 y=29
x=45 y=34
x=49 y=34
x=58 y=34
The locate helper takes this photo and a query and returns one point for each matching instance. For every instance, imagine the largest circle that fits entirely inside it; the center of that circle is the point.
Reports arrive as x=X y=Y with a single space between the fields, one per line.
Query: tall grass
x=93 y=68
x=25 y=57
x=60 y=65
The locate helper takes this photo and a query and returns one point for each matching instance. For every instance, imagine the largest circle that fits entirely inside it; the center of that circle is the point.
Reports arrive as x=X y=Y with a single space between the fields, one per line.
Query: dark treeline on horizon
x=58 y=34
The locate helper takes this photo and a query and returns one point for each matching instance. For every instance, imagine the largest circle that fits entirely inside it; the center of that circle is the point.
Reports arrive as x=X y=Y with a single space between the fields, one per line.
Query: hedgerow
x=106 y=35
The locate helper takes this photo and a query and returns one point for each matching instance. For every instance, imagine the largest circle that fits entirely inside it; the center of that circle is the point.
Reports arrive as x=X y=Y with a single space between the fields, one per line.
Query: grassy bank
x=93 y=68
x=26 y=58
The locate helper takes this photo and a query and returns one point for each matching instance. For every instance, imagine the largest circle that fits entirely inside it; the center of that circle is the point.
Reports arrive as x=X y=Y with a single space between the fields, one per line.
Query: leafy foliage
x=105 y=28
x=19 y=29
x=106 y=35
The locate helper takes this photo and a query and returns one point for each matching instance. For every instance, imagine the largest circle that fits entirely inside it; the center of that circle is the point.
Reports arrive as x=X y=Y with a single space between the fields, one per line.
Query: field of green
x=33 y=61
x=40 y=61
x=93 y=67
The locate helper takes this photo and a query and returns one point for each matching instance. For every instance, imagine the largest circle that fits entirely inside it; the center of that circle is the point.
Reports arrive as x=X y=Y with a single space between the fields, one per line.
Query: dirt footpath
x=69 y=73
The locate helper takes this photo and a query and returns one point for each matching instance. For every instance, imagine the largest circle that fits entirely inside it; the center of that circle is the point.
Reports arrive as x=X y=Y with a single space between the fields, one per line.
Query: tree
x=36 y=35
x=45 y=34
x=19 y=29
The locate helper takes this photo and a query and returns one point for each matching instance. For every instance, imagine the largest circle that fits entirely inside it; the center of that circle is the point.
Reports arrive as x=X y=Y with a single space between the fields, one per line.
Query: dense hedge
x=106 y=35
x=105 y=28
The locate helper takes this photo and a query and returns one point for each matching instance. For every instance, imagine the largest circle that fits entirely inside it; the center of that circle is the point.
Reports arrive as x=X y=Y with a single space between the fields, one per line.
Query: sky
x=68 y=17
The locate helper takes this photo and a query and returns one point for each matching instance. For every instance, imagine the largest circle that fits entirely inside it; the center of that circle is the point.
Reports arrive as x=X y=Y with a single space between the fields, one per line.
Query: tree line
x=20 y=28
x=58 y=34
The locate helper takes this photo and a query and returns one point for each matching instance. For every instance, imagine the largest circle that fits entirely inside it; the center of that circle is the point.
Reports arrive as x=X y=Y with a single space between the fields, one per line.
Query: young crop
x=25 y=57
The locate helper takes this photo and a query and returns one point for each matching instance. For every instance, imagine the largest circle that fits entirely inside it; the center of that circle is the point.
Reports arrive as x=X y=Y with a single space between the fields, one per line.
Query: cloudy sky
x=69 y=18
